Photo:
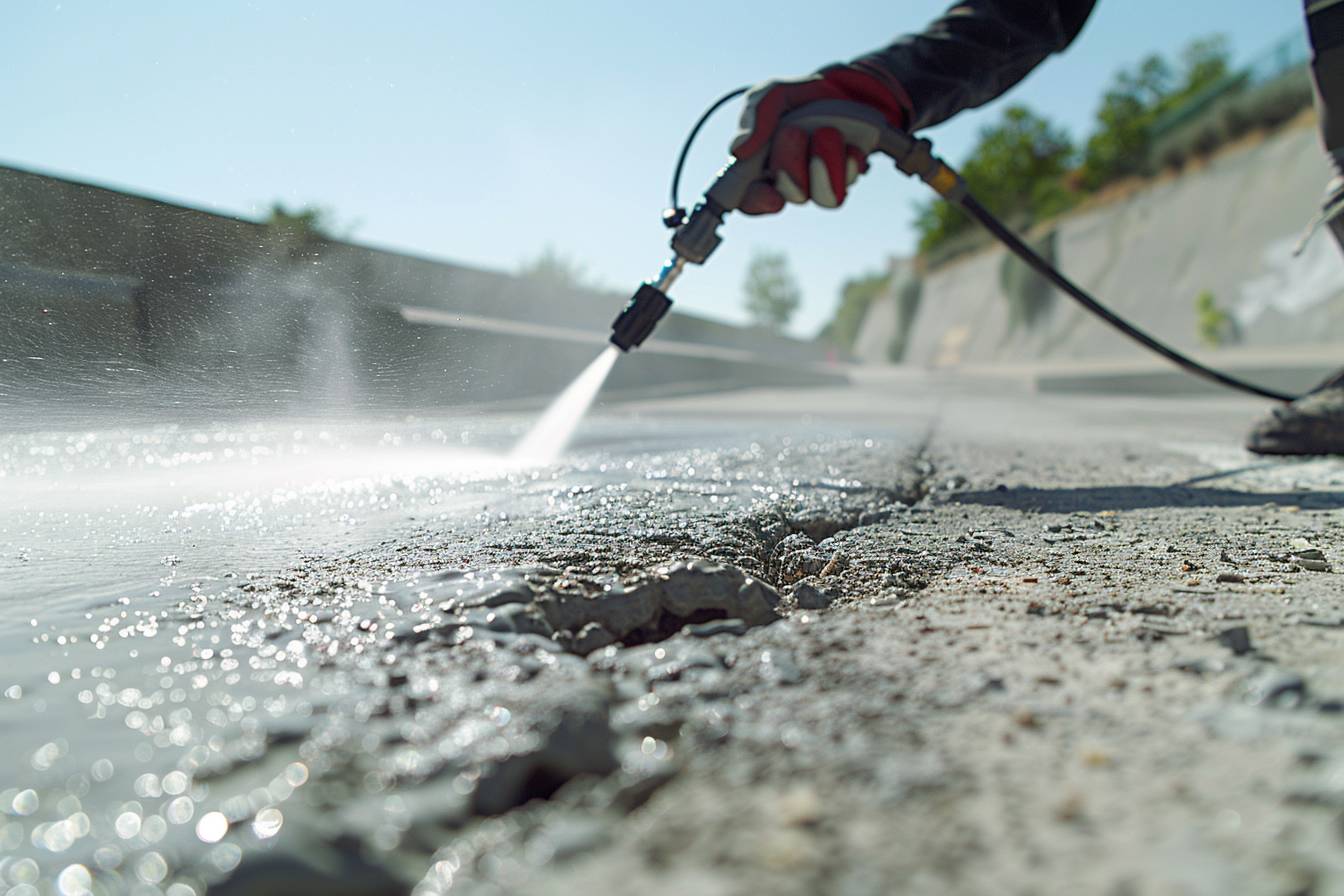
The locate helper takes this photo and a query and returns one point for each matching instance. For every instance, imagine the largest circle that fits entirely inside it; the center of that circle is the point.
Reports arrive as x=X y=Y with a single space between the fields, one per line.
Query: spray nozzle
x=696 y=234
x=646 y=307
x=634 y=324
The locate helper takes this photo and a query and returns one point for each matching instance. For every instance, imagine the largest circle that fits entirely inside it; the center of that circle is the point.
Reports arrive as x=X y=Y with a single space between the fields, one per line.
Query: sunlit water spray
x=546 y=440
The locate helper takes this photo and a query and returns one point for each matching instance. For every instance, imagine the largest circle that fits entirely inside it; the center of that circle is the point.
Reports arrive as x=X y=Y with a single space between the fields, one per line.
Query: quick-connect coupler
x=646 y=307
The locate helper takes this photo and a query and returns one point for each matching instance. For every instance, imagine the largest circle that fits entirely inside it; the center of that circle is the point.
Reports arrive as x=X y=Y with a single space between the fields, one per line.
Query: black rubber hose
x=690 y=138
x=987 y=220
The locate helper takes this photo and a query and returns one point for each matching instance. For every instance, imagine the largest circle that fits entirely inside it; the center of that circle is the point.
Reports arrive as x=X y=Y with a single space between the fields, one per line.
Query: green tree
x=552 y=268
x=307 y=221
x=856 y=296
x=1204 y=62
x=300 y=232
x=772 y=295
x=1121 y=144
x=1016 y=169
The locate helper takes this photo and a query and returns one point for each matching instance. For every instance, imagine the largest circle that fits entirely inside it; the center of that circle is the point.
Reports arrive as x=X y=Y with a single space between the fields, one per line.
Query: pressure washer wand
x=697 y=235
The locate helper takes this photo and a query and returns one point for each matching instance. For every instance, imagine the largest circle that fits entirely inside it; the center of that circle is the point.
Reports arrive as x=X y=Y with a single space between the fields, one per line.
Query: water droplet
x=212 y=827
x=74 y=880
x=58 y=836
x=226 y=856
x=11 y=836
x=25 y=802
x=24 y=871
x=180 y=810
x=80 y=824
x=151 y=868
x=153 y=828
x=147 y=786
x=175 y=783
x=127 y=825
x=108 y=858
x=267 y=823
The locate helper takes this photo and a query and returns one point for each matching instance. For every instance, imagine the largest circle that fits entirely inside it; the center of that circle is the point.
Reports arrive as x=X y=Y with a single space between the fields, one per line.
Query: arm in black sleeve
x=973 y=53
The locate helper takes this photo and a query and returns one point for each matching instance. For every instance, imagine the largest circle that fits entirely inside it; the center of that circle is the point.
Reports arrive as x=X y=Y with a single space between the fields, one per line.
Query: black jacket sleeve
x=973 y=53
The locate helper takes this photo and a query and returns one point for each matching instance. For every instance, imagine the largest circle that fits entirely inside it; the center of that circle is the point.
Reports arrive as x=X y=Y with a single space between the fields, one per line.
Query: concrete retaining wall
x=1228 y=228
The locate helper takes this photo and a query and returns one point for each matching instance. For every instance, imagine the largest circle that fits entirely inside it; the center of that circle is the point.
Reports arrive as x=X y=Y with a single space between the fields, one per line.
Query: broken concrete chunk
x=464 y=589
x=1276 y=687
x=809 y=597
x=778 y=666
x=1236 y=639
x=591 y=637
x=794 y=557
x=619 y=610
x=685 y=589
x=1308 y=556
x=522 y=619
x=658 y=604
x=572 y=737
x=715 y=627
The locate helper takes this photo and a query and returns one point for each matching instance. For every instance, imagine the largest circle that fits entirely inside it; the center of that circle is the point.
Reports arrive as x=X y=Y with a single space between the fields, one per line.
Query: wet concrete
x=846 y=642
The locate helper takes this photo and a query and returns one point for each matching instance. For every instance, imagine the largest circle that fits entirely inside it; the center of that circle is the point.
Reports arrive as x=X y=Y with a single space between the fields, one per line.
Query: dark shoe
x=1314 y=424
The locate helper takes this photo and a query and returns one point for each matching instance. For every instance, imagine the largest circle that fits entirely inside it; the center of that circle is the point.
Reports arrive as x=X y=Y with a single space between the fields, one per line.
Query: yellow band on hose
x=944 y=180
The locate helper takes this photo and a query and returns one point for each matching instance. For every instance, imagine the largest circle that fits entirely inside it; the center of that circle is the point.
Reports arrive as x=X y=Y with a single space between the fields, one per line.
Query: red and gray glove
x=817 y=166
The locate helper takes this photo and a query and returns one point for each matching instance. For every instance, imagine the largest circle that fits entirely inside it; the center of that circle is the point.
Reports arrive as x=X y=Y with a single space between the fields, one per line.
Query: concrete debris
x=716 y=627
x=655 y=605
x=580 y=613
x=1236 y=639
x=1307 y=556
x=807 y=596
x=1275 y=687
x=570 y=738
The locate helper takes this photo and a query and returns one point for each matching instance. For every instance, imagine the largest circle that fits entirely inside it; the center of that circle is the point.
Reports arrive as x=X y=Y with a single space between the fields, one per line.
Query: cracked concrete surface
x=909 y=637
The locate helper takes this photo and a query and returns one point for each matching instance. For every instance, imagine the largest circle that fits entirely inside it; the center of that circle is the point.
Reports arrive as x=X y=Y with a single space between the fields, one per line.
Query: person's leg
x=1314 y=424
x=1325 y=30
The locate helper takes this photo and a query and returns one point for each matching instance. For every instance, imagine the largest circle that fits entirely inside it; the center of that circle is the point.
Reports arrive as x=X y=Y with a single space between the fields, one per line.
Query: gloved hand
x=817 y=166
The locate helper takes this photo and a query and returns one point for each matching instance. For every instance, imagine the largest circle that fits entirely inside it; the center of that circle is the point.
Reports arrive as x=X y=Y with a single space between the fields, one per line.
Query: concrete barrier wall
x=1228 y=228
x=125 y=295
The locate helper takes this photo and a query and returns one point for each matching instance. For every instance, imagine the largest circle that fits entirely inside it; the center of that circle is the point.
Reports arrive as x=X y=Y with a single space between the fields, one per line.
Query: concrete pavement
x=941 y=637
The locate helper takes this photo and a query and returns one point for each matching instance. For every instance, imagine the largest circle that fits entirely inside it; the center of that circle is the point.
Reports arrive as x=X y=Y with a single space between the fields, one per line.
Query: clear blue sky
x=484 y=132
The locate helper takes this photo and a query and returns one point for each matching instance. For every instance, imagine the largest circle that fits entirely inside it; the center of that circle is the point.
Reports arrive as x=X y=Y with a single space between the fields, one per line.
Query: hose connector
x=698 y=237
